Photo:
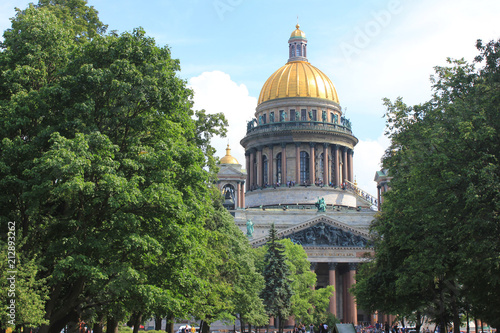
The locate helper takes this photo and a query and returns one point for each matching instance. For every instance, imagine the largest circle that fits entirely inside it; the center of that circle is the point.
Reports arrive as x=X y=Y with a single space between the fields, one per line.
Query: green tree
x=104 y=166
x=19 y=283
x=308 y=304
x=434 y=239
x=277 y=292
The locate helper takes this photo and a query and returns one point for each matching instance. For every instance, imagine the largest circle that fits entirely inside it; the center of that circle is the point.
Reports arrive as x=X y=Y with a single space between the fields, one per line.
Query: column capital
x=314 y=265
x=344 y=149
x=297 y=144
x=332 y=266
x=283 y=145
x=353 y=266
x=326 y=145
x=259 y=148
x=270 y=146
x=312 y=144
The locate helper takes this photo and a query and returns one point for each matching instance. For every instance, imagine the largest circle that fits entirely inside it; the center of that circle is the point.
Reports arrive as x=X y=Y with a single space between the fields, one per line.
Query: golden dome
x=298 y=79
x=228 y=159
x=298 y=33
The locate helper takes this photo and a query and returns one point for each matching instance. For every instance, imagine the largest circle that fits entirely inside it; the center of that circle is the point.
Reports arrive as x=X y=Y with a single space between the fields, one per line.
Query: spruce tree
x=278 y=290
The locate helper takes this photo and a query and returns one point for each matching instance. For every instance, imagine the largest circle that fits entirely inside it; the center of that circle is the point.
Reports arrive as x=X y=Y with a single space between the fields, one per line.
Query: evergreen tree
x=277 y=292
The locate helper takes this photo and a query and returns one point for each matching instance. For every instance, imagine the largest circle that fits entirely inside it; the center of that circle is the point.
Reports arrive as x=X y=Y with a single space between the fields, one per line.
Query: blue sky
x=369 y=49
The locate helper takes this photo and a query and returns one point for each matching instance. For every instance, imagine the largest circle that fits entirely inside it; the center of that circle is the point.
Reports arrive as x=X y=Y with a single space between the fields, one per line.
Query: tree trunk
x=169 y=326
x=456 y=314
x=475 y=323
x=418 y=324
x=204 y=327
x=136 y=321
x=158 y=320
x=111 y=325
x=97 y=327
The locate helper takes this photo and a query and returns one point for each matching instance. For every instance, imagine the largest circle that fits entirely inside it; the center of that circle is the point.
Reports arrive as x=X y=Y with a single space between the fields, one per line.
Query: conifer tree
x=277 y=292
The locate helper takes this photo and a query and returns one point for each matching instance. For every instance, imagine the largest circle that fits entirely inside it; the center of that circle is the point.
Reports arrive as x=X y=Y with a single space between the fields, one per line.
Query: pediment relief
x=323 y=232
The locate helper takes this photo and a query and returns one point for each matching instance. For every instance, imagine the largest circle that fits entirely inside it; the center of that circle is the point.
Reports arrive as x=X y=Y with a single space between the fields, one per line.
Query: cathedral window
x=321 y=167
x=303 y=114
x=265 y=177
x=304 y=167
x=292 y=115
x=278 y=168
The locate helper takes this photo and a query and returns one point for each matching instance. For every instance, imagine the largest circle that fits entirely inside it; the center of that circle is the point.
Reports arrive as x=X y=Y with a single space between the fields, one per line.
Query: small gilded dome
x=298 y=79
x=228 y=159
x=298 y=33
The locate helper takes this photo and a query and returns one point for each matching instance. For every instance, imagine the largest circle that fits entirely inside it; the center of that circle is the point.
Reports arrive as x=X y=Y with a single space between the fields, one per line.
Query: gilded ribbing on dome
x=298 y=79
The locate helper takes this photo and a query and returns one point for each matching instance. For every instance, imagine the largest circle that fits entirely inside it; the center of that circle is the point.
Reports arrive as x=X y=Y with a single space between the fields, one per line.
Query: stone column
x=270 y=161
x=350 y=155
x=344 y=164
x=326 y=165
x=297 y=162
x=353 y=313
x=312 y=163
x=283 y=164
x=252 y=175
x=242 y=196
x=332 y=282
x=238 y=194
x=378 y=196
x=337 y=165
x=259 y=166
x=345 y=298
x=247 y=163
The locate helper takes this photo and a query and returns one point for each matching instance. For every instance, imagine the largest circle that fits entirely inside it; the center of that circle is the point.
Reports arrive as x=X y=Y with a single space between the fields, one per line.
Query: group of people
x=301 y=328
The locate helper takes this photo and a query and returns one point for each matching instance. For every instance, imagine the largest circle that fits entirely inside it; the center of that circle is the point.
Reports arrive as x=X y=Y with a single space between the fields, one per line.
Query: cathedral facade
x=298 y=174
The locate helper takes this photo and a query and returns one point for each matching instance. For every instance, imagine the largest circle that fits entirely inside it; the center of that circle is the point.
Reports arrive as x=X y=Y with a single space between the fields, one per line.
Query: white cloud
x=367 y=157
x=216 y=92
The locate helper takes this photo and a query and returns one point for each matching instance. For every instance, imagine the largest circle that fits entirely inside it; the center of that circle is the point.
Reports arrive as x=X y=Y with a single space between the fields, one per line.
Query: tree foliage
x=104 y=167
x=277 y=292
x=436 y=240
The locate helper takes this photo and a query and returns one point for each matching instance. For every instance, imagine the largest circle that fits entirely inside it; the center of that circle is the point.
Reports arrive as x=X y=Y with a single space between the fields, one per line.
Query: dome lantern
x=228 y=159
x=297 y=45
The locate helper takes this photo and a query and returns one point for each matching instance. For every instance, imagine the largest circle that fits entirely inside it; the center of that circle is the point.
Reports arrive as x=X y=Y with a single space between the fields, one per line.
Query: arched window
x=229 y=196
x=304 y=167
x=265 y=178
x=278 y=168
x=298 y=49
